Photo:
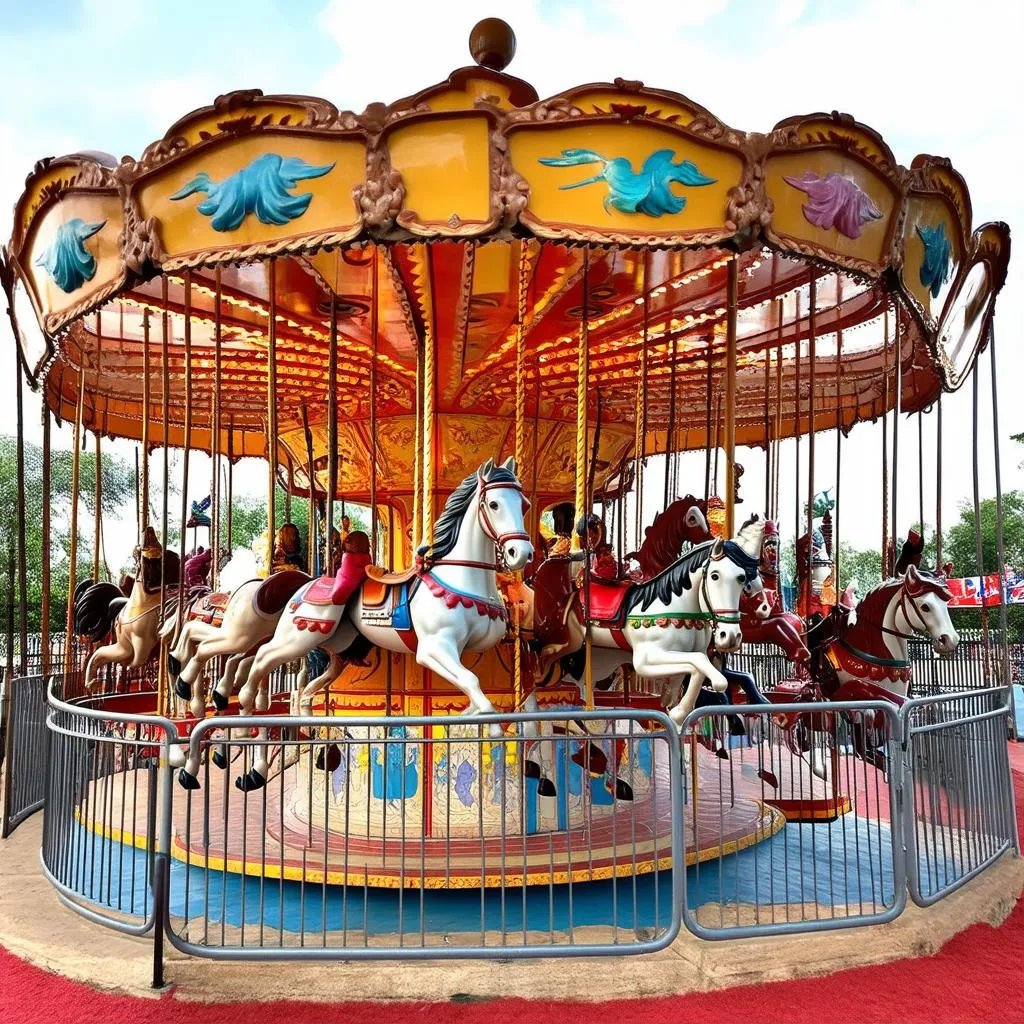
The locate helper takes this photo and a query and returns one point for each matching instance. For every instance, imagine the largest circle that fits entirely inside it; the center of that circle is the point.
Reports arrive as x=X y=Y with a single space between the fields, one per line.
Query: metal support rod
x=897 y=409
x=639 y=440
x=978 y=546
x=796 y=425
x=938 y=481
x=73 y=552
x=778 y=408
x=45 y=553
x=885 y=448
x=332 y=416
x=812 y=358
x=920 y=471
x=187 y=438
x=732 y=305
x=374 y=341
x=231 y=475
x=839 y=434
x=271 y=410
x=215 y=428
x=163 y=695
x=429 y=408
x=22 y=512
x=1000 y=539
x=582 y=384
x=670 y=431
x=98 y=479
x=707 y=414
x=144 y=490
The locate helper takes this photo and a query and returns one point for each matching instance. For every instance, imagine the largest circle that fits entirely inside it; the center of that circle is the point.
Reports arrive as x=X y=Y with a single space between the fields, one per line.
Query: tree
x=117 y=488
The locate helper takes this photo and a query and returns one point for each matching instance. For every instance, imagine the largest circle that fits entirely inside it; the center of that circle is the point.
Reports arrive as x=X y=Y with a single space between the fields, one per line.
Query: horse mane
x=663 y=539
x=871 y=610
x=446 y=529
x=673 y=581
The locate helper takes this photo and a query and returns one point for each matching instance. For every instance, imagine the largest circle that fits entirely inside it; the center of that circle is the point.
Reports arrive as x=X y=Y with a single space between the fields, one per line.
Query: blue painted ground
x=842 y=862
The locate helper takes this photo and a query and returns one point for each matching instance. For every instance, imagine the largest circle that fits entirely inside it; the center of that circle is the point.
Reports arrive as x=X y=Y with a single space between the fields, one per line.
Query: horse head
x=682 y=521
x=926 y=607
x=502 y=507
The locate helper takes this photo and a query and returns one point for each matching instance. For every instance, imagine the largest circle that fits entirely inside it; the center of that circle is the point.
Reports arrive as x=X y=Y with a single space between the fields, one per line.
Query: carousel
x=492 y=324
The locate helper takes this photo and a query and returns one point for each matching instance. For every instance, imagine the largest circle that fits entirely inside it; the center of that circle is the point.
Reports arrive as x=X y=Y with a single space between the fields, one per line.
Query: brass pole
x=897 y=372
x=520 y=455
x=332 y=421
x=796 y=424
x=22 y=512
x=839 y=429
x=938 y=481
x=73 y=553
x=582 y=381
x=144 y=492
x=812 y=355
x=885 y=448
x=217 y=411
x=374 y=330
x=187 y=439
x=163 y=697
x=429 y=405
x=732 y=303
x=98 y=479
x=271 y=411
x=778 y=408
x=707 y=419
x=639 y=442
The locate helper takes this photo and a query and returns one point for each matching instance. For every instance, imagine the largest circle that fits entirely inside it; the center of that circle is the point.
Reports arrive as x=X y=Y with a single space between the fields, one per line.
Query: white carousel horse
x=230 y=623
x=665 y=626
x=449 y=604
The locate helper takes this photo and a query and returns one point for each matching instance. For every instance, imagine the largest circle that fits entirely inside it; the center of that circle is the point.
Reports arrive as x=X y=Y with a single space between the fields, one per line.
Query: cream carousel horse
x=135 y=619
x=232 y=623
x=449 y=603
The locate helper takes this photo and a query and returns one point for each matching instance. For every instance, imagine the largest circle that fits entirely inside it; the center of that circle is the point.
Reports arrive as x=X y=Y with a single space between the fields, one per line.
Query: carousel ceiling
x=435 y=232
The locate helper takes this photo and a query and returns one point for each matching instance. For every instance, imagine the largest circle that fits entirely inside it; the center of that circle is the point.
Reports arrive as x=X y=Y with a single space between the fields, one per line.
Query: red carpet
x=975 y=978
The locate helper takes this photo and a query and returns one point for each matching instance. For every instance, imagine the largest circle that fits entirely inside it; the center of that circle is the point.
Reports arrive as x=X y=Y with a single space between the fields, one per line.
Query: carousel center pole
x=732 y=302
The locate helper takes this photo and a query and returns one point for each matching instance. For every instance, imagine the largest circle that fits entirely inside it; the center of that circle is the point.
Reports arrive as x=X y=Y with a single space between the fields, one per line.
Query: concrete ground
x=35 y=925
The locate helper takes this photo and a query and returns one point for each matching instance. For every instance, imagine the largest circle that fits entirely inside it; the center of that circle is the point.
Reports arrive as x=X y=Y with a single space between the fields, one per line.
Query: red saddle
x=336 y=590
x=210 y=609
x=607 y=600
x=319 y=591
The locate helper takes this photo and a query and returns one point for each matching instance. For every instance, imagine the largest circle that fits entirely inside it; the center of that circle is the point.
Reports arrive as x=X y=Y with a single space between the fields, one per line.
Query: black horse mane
x=673 y=581
x=446 y=529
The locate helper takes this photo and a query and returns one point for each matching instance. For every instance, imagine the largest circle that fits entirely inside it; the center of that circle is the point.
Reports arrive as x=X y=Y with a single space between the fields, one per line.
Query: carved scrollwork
x=512 y=192
x=381 y=196
x=140 y=240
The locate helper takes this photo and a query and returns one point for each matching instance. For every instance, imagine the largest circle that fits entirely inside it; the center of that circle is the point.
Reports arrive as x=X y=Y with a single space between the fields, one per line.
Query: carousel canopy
x=431 y=234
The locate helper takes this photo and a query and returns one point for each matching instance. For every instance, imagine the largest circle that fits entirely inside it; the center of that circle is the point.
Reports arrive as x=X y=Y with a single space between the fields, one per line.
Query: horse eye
x=494 y=505
x=926 y=607
x=714 y=576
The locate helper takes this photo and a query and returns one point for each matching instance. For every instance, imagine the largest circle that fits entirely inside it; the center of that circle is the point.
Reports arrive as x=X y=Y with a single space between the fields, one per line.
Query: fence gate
x=25 y=750
x=958 y=792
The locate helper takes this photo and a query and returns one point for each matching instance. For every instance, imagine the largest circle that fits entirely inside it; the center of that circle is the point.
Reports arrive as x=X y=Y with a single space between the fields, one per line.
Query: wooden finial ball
x=492 y=43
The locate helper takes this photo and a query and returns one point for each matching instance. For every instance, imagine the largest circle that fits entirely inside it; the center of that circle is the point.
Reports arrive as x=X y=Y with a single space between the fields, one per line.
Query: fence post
x=160 y=897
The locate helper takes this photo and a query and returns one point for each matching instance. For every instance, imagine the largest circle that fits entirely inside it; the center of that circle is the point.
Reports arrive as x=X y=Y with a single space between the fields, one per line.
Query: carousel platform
x=305 y=826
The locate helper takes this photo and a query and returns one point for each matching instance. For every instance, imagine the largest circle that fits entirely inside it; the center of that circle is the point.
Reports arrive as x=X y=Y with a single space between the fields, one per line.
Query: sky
x=943 y=77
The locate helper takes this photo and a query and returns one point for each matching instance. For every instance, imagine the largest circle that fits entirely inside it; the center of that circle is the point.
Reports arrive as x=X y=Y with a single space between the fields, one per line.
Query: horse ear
x=718 y=549
x=510 y=464
x=486 y=468
x=912 y=574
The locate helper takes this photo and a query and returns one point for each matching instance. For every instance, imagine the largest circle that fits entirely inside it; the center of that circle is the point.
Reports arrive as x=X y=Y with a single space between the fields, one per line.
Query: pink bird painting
x=835 y=201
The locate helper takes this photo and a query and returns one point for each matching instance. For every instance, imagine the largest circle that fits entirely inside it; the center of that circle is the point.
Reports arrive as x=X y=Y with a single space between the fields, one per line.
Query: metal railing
x=571 y=833
x=412 y=838
x=959 y=799
x=827 y=852
x=24 y=727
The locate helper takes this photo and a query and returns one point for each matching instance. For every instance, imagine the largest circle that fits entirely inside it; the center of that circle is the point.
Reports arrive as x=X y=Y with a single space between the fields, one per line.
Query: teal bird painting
x=263 y=188
x=648 y=192
x=938 y=254
x=66 y=260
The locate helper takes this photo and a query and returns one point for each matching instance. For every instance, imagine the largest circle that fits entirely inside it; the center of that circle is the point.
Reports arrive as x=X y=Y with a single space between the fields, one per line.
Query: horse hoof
x=219 y=758
x=328 y=758
x=591 y=759
x=220 y=702
x=174 y=668
x=736 y=726
x=531 y=770
x=722 y=753
x=546 y=788
x=187 y=780
x=252 y=780
x=182 y=689
x=623 y=790
x=768 y=778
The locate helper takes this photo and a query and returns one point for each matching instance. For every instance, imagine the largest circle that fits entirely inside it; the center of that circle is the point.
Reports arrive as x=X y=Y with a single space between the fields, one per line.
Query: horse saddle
x=389 y=578
x=606 y=600
x=319 y=591
x=274 y=591
x=210 y=609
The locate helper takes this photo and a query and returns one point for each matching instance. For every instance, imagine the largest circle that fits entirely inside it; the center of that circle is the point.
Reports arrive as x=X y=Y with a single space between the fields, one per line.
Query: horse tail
x=95 y=610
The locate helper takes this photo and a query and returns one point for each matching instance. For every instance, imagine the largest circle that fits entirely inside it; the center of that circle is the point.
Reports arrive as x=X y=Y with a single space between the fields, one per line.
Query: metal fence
x=571 y=833
x=828 y=852
x=960 y=809
x=25 y=740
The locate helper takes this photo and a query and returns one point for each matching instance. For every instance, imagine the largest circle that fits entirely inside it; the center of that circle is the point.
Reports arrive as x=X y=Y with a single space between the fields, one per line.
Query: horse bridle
x=727 y=615
x=499 y=539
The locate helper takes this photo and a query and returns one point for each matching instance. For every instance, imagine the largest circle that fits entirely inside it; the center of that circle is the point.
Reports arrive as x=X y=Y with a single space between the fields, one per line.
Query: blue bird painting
x=263 y=188
x=648 y=192
x=938 y=254
x=66 y=259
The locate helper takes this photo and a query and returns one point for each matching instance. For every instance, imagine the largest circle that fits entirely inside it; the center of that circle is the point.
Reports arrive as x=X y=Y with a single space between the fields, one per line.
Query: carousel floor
x=263 y=834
